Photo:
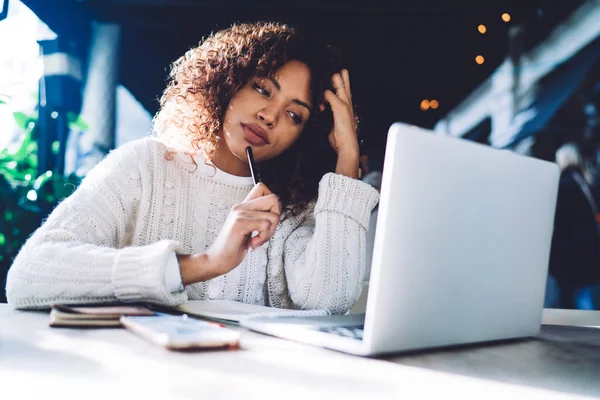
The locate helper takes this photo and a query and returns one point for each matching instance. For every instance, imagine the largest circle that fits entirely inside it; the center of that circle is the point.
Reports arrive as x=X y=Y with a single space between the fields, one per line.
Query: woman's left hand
x=343 y=136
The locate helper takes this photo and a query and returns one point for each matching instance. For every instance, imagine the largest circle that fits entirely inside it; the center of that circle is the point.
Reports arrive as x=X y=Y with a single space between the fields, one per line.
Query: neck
x=226 y=161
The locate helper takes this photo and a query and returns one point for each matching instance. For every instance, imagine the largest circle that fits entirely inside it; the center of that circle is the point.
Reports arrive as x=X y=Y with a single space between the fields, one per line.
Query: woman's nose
x=268 y=116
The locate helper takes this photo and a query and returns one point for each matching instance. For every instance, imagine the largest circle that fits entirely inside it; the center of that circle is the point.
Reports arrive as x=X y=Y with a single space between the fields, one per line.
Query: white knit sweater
x=112 y=239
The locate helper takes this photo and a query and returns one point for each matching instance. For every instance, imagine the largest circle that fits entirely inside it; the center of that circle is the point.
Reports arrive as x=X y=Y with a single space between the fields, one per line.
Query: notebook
x=232 y=312
x=95 y=315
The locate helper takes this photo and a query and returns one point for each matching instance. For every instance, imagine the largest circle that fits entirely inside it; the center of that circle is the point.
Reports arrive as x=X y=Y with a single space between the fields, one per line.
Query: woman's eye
x=295 y=118
x=261 y=90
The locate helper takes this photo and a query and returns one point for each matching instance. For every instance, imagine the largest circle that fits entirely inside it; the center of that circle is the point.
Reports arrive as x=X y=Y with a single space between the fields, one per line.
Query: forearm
x=196 y=268
x=43 y=274
x=347 y=164
x=48 y=271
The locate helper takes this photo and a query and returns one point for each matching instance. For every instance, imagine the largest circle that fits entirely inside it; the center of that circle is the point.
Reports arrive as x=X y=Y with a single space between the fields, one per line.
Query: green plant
x=27 y=196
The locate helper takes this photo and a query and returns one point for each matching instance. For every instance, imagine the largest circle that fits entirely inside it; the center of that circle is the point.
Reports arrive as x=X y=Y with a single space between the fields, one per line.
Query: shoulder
x=134 y=149
x=145 y=152
x=135 y=155
x=147 y=145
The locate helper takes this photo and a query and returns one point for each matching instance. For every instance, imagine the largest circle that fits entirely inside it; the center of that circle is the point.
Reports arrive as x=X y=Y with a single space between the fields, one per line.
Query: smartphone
x=182 y=332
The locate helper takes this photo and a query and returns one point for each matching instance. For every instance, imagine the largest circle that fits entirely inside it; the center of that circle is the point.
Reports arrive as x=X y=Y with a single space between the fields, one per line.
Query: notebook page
x=235 y=311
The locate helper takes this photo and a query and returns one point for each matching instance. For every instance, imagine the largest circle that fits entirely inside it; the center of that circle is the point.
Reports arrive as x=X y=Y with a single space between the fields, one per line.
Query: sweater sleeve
x=324 y=257
x=82 y=252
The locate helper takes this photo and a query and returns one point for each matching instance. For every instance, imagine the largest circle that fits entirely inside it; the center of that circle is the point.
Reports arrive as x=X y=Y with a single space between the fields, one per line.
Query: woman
x=174 y=217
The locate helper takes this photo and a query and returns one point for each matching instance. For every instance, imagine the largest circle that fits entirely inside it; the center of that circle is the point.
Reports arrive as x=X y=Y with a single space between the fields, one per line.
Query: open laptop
x=461 y=250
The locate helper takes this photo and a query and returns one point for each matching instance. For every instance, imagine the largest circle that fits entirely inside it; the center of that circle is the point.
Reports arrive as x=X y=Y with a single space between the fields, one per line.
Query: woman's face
x=268 y=113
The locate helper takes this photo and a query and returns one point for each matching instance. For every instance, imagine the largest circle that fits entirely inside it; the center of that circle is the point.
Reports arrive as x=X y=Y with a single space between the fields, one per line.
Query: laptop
x=461 y=251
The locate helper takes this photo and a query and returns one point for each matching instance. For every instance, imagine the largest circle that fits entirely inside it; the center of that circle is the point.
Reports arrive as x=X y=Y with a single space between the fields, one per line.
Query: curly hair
x=203 y=81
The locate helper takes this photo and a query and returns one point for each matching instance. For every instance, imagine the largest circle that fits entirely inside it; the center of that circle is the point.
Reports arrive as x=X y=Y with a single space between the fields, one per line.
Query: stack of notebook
x=224 y=311
x=93 y=315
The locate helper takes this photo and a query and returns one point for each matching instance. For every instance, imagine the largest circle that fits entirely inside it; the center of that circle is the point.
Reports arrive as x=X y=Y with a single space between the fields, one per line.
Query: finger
x=260 y=189
x=342 y=115
x=269 y=202
x=247 y=220
x=260 y=239
x=264 y=223
x=265 y=235
x=337 y=104
x=346 y=79
x=332 y=140
x=340 y=88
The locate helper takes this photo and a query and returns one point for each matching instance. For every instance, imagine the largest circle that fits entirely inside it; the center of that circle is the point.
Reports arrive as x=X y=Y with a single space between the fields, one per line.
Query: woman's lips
x=252 y=137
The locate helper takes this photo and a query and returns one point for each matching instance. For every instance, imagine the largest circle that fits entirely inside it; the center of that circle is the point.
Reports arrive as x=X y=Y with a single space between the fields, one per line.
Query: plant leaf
x=76 y=122
x=22 y=120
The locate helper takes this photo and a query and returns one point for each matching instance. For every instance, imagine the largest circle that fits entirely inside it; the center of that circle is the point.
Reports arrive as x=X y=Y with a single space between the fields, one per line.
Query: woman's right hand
x=259 y=212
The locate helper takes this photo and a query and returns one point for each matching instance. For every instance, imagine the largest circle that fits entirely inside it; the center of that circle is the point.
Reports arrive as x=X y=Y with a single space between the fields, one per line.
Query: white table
x=41 y=362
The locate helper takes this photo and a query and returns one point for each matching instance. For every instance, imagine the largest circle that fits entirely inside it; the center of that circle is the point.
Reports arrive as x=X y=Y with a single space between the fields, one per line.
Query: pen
x=253 y=170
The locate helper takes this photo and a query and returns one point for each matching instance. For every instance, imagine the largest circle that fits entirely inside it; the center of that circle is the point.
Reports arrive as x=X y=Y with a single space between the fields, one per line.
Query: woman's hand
x=258 y=212
x=343 y=136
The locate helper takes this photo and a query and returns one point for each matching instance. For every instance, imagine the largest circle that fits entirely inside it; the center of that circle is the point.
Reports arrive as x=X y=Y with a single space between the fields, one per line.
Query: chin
x=258 y=152
x=261 y=153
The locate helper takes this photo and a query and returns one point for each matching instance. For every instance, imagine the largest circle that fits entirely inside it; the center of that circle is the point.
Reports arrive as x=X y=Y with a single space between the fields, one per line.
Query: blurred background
x=78 y=78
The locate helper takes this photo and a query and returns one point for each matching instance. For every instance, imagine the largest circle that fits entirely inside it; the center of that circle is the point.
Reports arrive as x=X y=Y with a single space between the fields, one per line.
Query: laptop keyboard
x=355 y=332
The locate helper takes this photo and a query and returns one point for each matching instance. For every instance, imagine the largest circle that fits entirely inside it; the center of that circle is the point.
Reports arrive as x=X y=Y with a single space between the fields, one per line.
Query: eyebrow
x=299 y=102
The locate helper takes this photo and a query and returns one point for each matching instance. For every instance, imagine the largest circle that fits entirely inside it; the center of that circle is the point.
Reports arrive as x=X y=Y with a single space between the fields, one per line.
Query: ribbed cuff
x=139 y=274
x=172 y=274
x=347 y=196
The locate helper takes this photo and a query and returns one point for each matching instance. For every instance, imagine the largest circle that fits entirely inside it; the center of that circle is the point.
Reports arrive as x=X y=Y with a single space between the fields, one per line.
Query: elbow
x=336 y=296
x=19 y=293
x=336 y=305
x=20 y=302
x=16 y=293
x=342 y=307
x=18 y=297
